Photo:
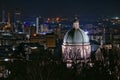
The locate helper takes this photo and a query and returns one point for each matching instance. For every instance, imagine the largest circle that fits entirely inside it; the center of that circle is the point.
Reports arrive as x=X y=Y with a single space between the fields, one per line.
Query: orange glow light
x=34 y=35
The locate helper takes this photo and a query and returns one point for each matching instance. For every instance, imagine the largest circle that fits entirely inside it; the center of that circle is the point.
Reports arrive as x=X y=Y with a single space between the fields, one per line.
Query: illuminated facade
x=50 y=40
x=76 y=47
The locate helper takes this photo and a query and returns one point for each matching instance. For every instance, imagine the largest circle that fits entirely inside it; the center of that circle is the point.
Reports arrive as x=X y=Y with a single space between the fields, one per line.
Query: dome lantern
x=76 y=24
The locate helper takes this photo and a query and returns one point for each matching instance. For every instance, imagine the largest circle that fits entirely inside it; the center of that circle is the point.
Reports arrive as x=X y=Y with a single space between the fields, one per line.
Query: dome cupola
x=76 y=35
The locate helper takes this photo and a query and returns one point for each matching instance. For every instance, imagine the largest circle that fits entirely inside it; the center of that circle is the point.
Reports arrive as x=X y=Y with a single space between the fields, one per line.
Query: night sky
x=64 y=7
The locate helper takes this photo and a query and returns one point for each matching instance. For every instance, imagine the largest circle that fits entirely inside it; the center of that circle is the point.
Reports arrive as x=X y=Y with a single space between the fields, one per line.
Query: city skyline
x=63 y=7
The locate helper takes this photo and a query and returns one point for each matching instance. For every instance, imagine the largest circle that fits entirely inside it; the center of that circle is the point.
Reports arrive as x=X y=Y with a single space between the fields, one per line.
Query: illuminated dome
x=76 y=46
x=76 y=35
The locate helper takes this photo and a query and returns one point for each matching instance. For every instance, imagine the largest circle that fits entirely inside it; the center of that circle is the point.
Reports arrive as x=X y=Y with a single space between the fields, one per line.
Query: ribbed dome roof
x=76 y=36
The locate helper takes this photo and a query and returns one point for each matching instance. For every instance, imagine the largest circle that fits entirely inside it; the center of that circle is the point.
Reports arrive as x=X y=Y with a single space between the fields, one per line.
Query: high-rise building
x=3 y=16
x=39 y=24
x=18 y=20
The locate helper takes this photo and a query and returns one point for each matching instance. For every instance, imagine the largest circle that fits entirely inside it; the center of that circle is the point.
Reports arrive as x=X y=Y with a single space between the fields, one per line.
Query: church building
x=76 y=46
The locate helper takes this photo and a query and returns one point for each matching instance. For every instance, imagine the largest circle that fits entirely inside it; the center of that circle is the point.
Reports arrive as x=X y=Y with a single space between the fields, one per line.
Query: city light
x=86 y=32
x=116 y=17
x=6 y=59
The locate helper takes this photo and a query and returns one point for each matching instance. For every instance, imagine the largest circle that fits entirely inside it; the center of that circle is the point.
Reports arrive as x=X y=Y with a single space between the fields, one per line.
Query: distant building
x=57 y=31
x=50 y=40
x=39 y=24
x=18 y=21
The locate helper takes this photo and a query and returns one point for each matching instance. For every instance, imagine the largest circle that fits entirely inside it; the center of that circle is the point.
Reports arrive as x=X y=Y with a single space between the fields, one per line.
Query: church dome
x=76 y=36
